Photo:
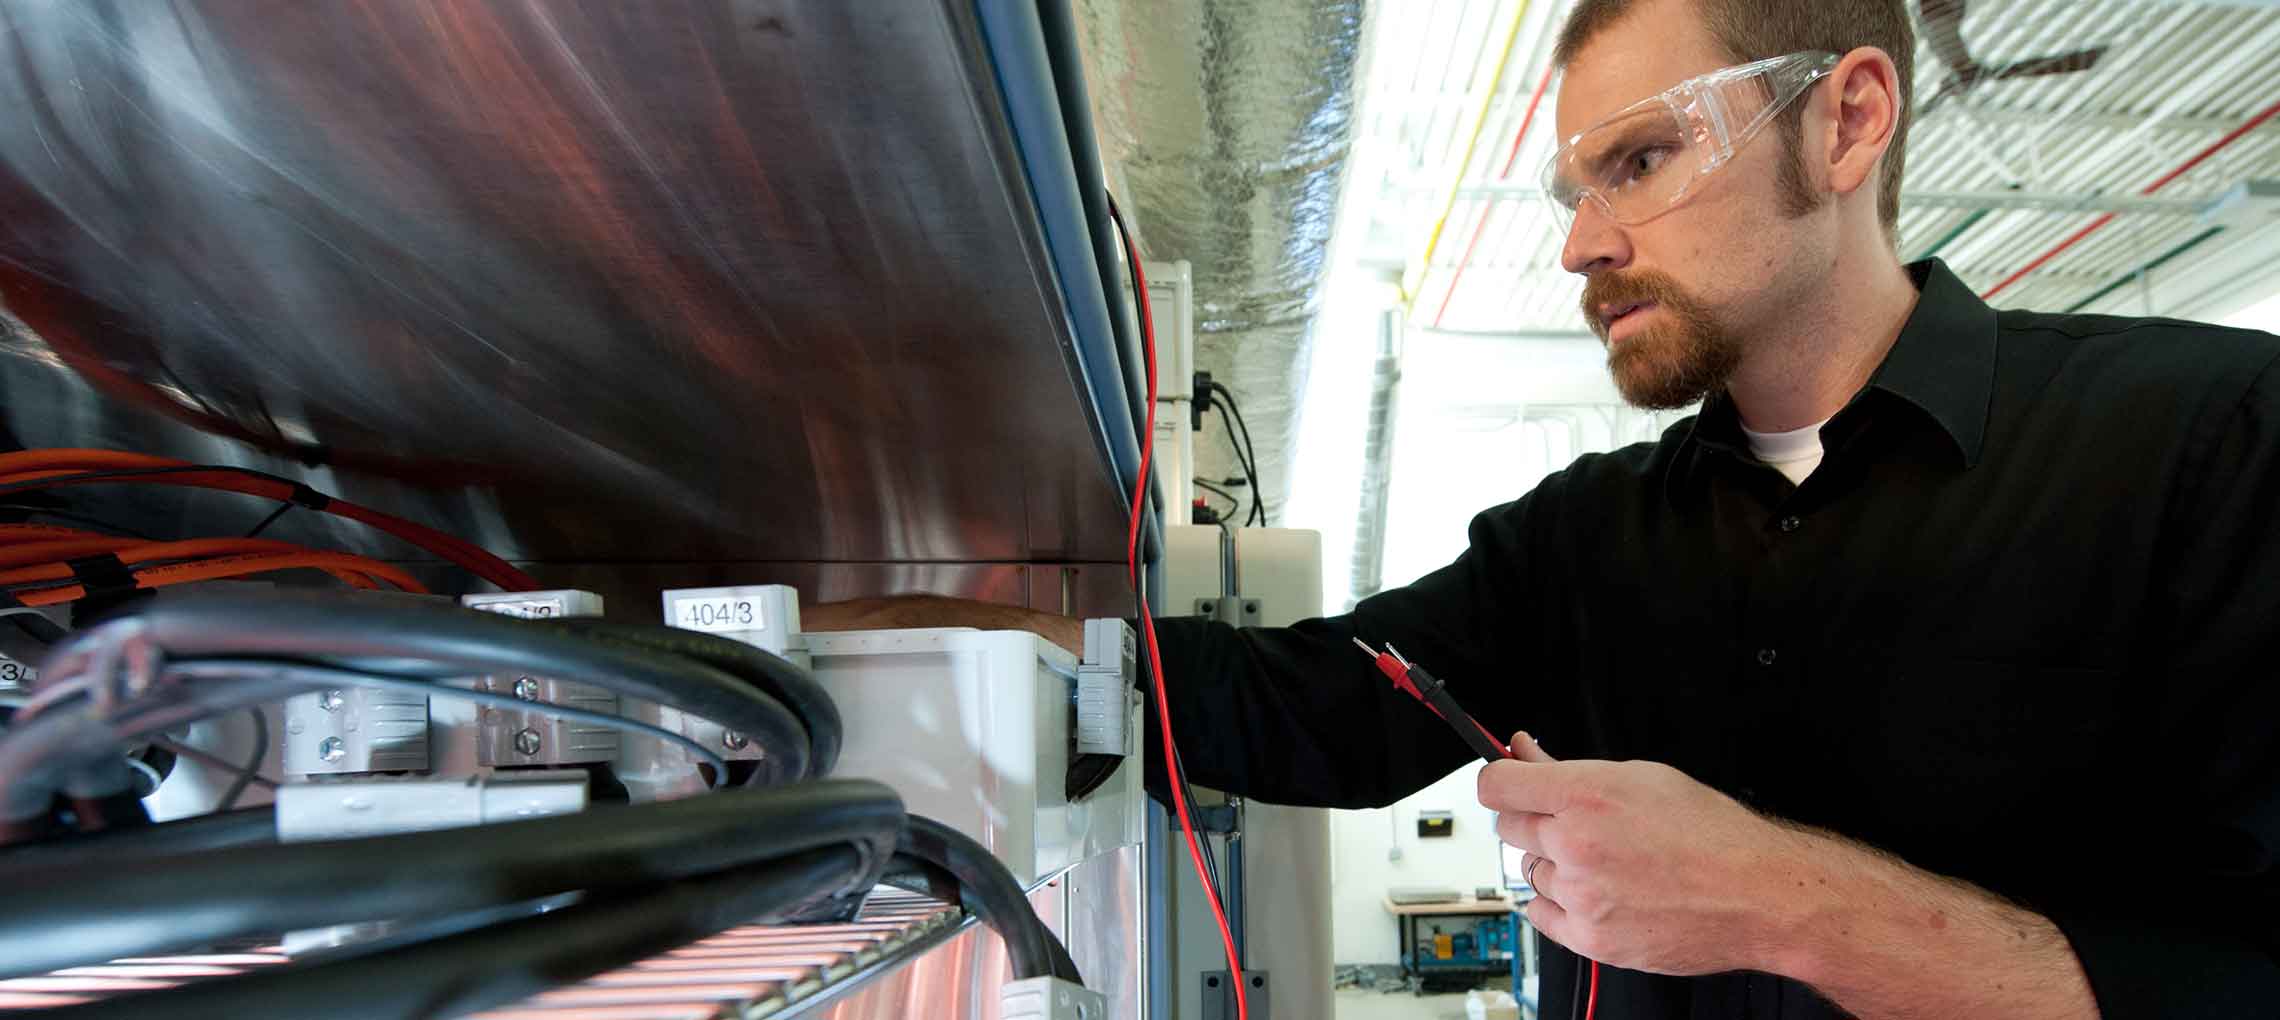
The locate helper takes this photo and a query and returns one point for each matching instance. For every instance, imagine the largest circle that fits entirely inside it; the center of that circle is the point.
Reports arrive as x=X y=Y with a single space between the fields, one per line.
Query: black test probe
x=1428 y=689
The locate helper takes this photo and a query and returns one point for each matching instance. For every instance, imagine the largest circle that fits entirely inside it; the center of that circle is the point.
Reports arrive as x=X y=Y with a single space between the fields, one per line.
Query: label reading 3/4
x=717 y=614
x=16 y=674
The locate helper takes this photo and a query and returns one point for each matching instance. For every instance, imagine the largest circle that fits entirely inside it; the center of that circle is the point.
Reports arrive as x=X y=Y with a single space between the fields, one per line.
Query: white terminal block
x=1050 y=998
x=507 y=737
x=765 y=616
x=356 y=808
x=1107 y=701
x=351 y=730
x=975 y=729
x=348 y=809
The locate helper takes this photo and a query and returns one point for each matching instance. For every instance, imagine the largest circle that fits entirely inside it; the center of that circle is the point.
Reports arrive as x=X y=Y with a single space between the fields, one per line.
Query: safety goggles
x=1638 y=163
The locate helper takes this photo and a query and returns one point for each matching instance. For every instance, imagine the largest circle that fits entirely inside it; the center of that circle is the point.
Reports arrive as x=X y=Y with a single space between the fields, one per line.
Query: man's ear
x=1863 y=115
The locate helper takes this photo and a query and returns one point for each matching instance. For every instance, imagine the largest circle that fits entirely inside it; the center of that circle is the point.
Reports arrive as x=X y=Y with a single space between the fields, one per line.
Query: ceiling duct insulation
x=1227 y=124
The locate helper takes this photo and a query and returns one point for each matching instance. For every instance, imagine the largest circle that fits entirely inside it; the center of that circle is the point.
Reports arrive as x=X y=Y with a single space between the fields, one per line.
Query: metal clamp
x=1237 y=611
x=1106 y=694
x=1219 y=995
x=1050 y=998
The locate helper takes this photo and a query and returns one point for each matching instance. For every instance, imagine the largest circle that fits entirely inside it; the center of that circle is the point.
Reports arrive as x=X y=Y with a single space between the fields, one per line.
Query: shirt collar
x=1943 y=365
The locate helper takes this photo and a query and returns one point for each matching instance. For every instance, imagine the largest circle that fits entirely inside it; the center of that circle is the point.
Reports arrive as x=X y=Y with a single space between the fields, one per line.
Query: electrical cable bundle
x=788 y=846
x=1235 y=500
x=63 y=913
x=48 y=565
x=36 y=562
x=1214 y=393
x=172 y=663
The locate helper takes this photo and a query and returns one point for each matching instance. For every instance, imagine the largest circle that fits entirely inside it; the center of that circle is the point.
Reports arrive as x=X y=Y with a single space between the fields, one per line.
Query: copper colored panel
x=677 y=281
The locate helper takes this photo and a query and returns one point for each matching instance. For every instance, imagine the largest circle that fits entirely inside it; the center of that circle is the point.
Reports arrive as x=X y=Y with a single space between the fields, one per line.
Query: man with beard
x=1926 y=672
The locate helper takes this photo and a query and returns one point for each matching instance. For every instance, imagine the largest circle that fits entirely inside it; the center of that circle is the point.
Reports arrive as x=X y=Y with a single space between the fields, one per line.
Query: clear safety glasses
x=1644 y=159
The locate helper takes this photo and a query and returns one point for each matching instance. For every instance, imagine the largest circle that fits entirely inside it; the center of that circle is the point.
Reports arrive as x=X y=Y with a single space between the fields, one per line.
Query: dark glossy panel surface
x=583 y=280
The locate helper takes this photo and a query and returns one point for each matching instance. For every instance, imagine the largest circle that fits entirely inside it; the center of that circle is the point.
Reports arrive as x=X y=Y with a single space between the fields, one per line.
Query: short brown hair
x=1759 y=29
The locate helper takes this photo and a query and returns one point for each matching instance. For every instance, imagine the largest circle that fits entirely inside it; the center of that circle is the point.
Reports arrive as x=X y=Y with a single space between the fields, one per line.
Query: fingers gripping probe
x=1415 y=681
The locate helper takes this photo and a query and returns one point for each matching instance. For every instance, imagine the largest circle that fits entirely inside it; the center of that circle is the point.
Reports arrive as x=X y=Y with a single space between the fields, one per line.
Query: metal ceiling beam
x=1997 y=117
x=2046 y=202
x=2007 y=200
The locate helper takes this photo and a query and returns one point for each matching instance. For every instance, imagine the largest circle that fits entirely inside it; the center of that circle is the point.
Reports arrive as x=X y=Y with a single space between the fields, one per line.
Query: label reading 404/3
x=717 y=614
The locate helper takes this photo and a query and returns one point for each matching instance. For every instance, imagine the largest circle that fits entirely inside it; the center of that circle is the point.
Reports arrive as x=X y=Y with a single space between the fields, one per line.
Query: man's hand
x=1644 y=868
x=909 y=611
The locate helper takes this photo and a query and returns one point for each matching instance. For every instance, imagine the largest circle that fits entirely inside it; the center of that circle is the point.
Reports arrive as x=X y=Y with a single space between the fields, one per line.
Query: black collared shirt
x=2020 y=627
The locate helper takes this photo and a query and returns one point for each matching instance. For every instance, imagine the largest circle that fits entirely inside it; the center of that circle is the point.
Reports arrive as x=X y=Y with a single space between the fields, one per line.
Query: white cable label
x=528 y=609
x=718 y=615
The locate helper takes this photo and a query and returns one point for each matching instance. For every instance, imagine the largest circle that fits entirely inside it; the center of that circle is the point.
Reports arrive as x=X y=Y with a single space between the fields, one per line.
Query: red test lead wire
x=1148 y=625
x=1413 y=680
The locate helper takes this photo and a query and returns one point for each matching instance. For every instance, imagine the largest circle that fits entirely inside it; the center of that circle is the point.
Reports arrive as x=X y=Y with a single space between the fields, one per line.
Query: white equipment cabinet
x=974 y=729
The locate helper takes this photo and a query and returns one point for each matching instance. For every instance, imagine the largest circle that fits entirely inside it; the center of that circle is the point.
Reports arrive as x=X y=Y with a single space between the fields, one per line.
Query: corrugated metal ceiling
x=2178 y=78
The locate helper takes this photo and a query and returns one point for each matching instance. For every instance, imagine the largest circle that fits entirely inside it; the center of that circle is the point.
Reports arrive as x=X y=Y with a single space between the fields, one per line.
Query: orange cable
x=235 y=566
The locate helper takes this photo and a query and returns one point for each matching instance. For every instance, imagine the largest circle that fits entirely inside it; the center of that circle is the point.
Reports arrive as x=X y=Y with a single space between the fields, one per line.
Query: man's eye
x=1645 y=162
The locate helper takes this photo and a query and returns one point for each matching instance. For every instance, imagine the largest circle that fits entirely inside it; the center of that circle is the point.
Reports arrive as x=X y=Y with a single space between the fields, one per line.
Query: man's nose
x=1595 y=242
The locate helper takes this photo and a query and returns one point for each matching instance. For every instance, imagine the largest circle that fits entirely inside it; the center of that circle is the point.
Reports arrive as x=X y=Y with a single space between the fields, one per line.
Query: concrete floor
x=1371 y=1004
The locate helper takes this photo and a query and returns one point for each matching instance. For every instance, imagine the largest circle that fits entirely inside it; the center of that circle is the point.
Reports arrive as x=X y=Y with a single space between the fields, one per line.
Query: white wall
x=2264 y=315
x=1482 y=420
x=1360 y=871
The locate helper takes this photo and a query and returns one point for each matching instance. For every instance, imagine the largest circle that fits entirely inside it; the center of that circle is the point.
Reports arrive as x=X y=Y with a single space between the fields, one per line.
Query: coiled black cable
x=502 y=963
x=250 y=826
x=399 y=638
x=207 y=655
x=405 y=637
x=988 y=891
x=65 y=913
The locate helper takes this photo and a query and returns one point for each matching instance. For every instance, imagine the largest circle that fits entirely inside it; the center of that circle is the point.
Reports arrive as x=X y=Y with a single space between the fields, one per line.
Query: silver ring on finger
x=1528 y=871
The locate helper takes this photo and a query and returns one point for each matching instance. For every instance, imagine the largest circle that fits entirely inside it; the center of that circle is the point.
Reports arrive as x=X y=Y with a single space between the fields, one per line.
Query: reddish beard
x=1667 y=364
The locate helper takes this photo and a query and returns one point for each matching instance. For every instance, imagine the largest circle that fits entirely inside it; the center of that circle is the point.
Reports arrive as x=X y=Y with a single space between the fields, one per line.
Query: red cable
x=2037 y=262
x=2163 y=181
x=1525 y=119
x=226 y=567
x=1591 y=1003
x=1148 y=625
x=44 y=561
x=62 y=466
x=1482 y=226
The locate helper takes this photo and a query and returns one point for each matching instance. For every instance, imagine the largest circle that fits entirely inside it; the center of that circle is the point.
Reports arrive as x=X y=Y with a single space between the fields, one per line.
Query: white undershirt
x=1794 y=454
